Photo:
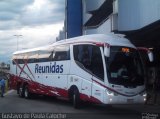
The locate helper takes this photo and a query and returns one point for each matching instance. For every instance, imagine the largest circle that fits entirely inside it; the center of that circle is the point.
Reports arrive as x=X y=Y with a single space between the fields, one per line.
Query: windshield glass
x=124 y=67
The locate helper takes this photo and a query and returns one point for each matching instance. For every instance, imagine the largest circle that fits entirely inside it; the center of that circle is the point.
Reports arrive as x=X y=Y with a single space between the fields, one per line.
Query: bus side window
x=61 y=53
x=97 y=63
x=52 y=55
x=20 y=59
x=89 y=56
x=43 y=56
x=13 y=62
x=76 y=52
x=33 y=57
x=14 y=59
x=86 y=57
x=82 y=54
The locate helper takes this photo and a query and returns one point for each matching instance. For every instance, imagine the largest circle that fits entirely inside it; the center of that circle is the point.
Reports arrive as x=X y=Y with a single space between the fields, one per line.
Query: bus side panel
x=61 y=79
x=13 y=79
x=82 y=79
x=54 y=80
x=86 y=90
x=97 y=91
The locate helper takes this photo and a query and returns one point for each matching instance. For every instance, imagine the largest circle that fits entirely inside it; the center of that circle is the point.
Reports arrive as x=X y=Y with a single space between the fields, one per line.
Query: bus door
x=88 y=57
x=98 y=74
x=82 y=70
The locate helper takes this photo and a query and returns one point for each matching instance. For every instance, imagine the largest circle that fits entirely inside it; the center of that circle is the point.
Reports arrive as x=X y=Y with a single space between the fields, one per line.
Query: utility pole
x=18 y=36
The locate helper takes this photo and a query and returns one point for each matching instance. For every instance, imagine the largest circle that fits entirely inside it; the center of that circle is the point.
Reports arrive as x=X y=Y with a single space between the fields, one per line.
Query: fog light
x=144 y=99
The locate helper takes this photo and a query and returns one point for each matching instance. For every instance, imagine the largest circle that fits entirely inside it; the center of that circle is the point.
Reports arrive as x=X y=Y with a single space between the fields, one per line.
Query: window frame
x=81 y=65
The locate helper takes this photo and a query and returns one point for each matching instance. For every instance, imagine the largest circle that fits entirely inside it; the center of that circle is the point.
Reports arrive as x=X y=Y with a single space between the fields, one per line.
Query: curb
x=9 y=92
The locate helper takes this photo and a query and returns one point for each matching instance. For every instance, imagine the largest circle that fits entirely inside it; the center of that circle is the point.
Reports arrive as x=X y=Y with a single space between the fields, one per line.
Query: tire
x=76 y=99
x=18 y=87
x=21 y=92
x=27 y=94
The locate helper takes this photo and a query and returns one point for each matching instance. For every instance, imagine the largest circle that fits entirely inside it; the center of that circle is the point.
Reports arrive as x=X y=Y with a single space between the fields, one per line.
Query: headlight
x=144 y=94
x=109 y=93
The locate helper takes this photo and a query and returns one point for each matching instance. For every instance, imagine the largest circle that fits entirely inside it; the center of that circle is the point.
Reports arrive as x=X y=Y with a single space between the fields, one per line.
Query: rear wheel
x=21 y=91
x=27 y=94
x=18 y=87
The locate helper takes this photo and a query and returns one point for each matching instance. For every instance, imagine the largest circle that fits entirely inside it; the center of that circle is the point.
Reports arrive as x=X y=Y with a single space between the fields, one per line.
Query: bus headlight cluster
x=144 y=94
x=110 y=93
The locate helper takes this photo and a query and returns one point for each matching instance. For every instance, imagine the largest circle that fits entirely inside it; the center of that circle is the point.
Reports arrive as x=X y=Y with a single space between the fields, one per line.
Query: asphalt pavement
x=12 y=103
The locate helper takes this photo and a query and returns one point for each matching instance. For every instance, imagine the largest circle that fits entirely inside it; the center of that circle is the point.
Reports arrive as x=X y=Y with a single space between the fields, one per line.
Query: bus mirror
x=150 y=56
x=107 y=51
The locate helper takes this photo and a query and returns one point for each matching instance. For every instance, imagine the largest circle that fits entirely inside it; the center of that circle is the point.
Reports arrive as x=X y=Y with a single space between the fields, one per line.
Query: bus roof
x=111 y=39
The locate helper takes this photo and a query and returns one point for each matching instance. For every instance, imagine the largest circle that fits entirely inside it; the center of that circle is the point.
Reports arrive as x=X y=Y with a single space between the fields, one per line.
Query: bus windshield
x=124 y=67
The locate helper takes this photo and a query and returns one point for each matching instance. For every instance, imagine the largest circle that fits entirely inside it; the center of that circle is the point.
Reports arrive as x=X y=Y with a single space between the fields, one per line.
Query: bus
x=102 y=69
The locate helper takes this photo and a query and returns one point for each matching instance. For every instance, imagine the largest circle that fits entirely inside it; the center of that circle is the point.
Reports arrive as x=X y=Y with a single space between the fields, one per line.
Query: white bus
x=103 y=69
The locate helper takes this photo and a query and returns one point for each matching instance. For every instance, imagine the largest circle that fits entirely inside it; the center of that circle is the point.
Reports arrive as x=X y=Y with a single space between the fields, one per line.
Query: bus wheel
x=27 y=94
x=21 y=92
x=18 y=88
x=76 y=99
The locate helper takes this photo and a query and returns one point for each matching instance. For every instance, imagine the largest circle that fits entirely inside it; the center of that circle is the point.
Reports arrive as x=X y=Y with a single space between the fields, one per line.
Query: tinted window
x=32 y=57
x=13 y=59
x=43 y=55
x=28 y=57
x=89 y=58
x=60 y=53
x=97 y=63
x=18 y=58
x=125 y=67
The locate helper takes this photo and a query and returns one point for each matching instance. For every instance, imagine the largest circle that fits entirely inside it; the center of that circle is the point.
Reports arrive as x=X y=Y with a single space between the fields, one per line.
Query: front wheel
x=76 y=99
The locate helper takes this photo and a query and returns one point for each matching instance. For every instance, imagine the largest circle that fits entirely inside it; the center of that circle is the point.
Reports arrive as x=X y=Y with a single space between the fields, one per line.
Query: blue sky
x=38 y=21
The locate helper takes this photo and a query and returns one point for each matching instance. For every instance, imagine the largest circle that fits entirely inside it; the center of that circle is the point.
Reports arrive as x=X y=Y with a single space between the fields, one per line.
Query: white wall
x=150 y=11
x=90 y=31
x=105 y=27
x=128 y=15
x=135 y=14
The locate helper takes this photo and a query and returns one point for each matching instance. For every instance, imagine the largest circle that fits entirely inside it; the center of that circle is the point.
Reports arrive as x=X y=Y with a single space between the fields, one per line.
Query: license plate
x=130 y=100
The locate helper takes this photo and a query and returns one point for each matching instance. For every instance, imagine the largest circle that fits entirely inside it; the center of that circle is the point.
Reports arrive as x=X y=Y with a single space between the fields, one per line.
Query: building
x=139 y=20
x=62 y=35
